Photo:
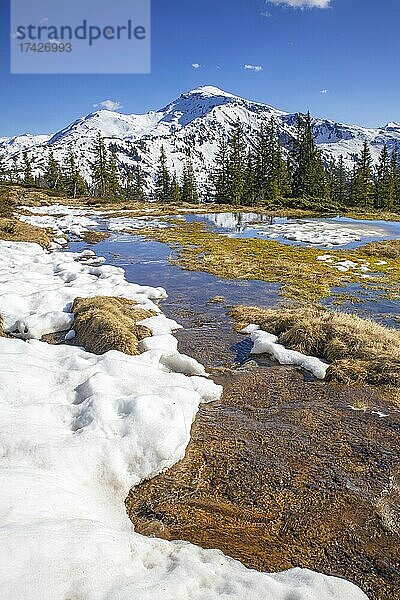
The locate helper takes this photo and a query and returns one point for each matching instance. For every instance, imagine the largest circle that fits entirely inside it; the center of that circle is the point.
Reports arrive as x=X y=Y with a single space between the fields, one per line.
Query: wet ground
x=283 y=472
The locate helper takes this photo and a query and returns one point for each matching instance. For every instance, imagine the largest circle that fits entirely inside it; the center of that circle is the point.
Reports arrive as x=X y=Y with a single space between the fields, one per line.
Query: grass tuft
x=108 y=323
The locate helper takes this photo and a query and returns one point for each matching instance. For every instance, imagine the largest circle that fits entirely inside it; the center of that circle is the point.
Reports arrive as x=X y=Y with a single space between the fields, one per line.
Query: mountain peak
x=209 y=90
x=393 y=125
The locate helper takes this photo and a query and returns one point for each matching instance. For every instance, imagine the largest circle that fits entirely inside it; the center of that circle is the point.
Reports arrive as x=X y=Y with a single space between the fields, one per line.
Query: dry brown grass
x=12 y=230
x=359 y=350
x=108 y=323
x=388 y=249
x=8 y=199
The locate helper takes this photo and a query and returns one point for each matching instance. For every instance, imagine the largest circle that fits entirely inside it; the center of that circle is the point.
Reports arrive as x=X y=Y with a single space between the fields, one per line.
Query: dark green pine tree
x=384 y=188
x=338 y=177
x=72 y=181
x=362 y=189
x=163 y=179
x=113 y=183
x=99 y=168
x=261 y=164
x=250 y=190
x=237 y=165
x=27 y=169
x=272 y=160
x=282 y=172
x=175 y=189
x=189 y=191
x=219 y=175
x=308 y=178
x=52 y=173
x=135 y=188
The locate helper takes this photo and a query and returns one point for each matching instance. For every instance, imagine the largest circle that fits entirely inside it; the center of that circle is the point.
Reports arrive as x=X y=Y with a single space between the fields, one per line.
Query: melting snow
x=318 y=233
x=63 y=220
x=267 y=343
x=128 y=223
x=38 y=287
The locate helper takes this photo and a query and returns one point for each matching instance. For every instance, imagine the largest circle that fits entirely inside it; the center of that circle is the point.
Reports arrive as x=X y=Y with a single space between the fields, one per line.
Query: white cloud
x=266 y=13
x=302 y=3
x=324 y=91
x=196 y=65
x=255 y=68
x=108 y=105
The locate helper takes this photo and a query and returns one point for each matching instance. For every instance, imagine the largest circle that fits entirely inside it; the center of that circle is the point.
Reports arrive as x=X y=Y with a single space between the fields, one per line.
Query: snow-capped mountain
x=189 y=127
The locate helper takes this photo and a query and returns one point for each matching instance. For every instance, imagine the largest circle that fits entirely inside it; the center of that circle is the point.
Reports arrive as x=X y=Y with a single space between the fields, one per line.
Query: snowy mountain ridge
x=188 y=127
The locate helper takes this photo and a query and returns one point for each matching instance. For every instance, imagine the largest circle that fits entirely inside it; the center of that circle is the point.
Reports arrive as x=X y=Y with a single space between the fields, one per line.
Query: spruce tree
x=271 y=175
x=250 y=190
x=72 y=181
x=105 y=172
x=338 y=181
x=362 y=184
x=52 y=173
x=281 y=173
x=135 y=183
x=237 y=165
x=99 y=168
x=309 y=177
x=163 y=179
x=189 y=191
x=384 y=189
x=27 y=169
x=261 y=164
x=113 y=185
x=175 y=189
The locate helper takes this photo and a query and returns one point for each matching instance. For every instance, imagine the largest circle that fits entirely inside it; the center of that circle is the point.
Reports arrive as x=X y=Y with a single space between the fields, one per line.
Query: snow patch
x=319 y=233
x=61 y=219
x=267 y=343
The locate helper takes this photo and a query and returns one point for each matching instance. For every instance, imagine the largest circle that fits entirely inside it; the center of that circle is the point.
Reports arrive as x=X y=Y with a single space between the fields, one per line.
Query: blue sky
x=340 y=61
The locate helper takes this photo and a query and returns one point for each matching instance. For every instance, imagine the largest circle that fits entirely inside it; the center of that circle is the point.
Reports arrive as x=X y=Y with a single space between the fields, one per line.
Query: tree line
x=259 y=171
x=264 y=173
x=108 y=178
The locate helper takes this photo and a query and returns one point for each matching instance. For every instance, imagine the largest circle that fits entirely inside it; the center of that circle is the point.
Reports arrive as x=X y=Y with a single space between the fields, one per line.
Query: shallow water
x=366 y=303
x=208 y=334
